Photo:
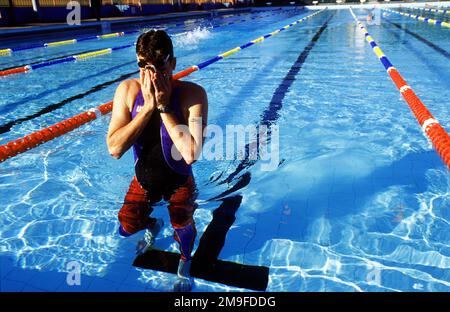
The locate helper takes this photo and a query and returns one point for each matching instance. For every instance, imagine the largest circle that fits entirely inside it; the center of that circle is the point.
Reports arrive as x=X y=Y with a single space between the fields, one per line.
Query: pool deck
x=106 y=23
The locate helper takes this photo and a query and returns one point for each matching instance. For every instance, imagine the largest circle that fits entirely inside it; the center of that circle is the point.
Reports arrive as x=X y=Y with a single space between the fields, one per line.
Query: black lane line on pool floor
x=205 y=262
x=9 y=107
x=7 y=127
x=420 y=38
x=270 y=115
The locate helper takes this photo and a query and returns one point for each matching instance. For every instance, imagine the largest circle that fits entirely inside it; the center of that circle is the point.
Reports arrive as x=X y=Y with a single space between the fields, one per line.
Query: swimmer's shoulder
x=127 y=91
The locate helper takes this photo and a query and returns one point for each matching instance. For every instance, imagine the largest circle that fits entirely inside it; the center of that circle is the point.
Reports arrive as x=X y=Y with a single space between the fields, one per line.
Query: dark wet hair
x=154 y=46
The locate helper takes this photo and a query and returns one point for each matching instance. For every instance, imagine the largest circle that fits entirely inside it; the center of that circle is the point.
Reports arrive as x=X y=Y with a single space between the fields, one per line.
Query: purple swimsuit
x=152 y=150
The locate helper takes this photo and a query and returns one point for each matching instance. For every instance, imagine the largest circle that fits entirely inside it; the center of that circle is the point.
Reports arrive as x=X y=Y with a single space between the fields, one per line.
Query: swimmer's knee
x=127 y=226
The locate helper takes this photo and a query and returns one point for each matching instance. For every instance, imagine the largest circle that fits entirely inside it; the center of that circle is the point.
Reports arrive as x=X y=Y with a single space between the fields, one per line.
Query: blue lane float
x=421 y=18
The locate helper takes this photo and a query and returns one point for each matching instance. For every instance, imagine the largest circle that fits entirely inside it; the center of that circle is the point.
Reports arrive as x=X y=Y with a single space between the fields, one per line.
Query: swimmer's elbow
x=188 y=157
x=192 y=157
x=115 y=155
x=114 y=149
x=190 y=160
x=115 y=152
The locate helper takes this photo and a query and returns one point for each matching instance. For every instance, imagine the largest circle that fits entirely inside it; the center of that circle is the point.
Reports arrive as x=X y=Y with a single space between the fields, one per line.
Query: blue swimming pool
x=359 y=199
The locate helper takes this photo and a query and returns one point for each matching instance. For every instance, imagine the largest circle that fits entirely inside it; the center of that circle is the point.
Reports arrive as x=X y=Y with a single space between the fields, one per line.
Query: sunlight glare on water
x=359 y=200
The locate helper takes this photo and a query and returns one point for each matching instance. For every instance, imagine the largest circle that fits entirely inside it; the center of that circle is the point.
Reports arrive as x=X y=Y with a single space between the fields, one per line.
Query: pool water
x=359 y=200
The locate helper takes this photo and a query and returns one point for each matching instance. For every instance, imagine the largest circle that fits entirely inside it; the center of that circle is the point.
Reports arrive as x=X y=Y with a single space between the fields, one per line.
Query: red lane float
x=39 y=137
x=430 y=126
x=16 y=70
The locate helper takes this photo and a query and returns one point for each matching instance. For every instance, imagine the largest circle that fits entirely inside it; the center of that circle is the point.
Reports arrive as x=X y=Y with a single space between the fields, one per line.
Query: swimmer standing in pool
x=161 y=119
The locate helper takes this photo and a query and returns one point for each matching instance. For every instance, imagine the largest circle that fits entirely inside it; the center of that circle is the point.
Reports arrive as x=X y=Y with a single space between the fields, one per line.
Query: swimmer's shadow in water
x=205 y=263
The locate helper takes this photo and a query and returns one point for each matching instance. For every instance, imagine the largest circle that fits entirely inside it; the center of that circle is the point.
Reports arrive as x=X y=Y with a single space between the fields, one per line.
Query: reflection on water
x=360 y=201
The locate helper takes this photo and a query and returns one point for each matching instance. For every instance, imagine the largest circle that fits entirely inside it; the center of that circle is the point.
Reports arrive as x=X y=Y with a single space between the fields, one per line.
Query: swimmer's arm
x=124 y=131
x=189 y=140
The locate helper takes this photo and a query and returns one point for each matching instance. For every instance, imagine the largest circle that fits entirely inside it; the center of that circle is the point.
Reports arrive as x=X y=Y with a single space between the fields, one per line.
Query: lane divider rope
x=27 y=68
x=72 y=58
x=430 y=126
x=219 y=57
x=421 y=18
x=9 y=51
x=443 y=11
x=37 y=138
